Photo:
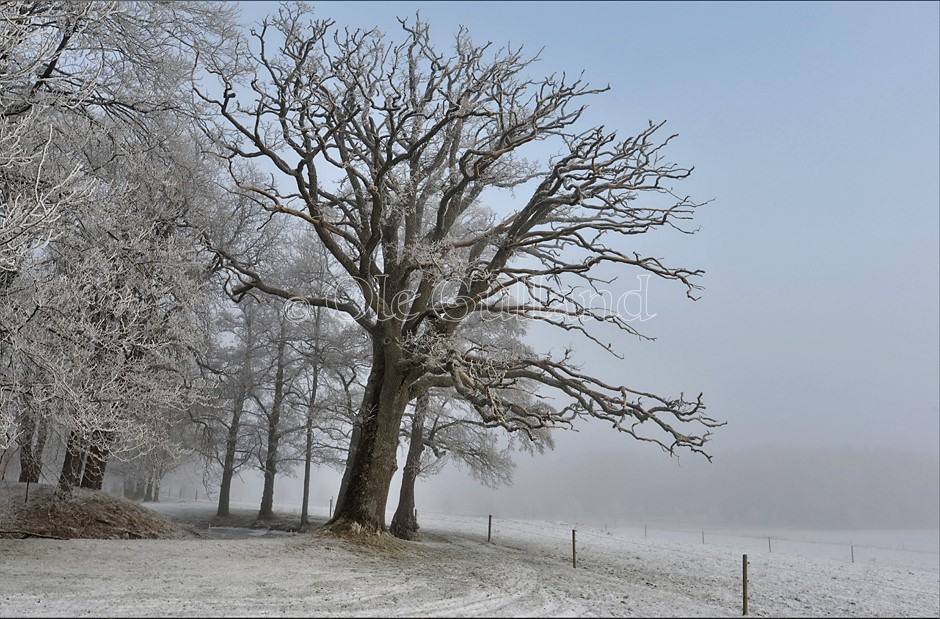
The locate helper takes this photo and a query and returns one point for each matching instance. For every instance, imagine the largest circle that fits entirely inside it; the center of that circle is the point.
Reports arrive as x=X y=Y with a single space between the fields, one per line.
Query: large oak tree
x=422 y=172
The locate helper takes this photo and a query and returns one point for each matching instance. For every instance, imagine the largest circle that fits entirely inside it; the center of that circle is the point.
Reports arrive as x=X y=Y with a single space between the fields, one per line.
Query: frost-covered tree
x=112 y=305
x=70 y=73
x=422 y=172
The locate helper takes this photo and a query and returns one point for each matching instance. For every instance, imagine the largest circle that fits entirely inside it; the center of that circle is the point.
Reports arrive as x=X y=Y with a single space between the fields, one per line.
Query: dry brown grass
x=83 y=514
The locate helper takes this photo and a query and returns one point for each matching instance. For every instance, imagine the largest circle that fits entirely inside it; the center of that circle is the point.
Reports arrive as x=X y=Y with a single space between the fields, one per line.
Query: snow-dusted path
x=454 y=572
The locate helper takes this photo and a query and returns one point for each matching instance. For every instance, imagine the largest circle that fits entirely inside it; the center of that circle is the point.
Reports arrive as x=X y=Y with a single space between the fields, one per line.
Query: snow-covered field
x=526 y=572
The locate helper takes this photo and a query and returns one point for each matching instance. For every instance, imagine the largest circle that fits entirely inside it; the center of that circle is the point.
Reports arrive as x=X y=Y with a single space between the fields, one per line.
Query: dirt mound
x=83 y=514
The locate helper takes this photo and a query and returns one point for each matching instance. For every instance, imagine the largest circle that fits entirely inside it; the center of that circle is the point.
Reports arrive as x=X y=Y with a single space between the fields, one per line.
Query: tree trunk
x=139 y=490
x=350 y=457
x=156 y=488
x=308 y=449
x=26 y=460
x=148 y=492
x=27 y=428
x=362 y=508
x=404 y=523
x=32 y=427
x=311 y=410
x=72 y=466
x=231 y=445
x=95 y=462
x=39 y=449
x=267 y=494
x=308 y=454
x=274 y=419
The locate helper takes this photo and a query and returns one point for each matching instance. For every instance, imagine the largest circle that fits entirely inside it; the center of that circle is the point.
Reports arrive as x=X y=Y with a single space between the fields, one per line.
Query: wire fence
x=850 y=552
x=592 y=539
x=556 y=542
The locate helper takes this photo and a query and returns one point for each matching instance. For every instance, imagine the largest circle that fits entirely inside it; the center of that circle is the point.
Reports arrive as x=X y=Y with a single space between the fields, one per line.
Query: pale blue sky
x=816 y=129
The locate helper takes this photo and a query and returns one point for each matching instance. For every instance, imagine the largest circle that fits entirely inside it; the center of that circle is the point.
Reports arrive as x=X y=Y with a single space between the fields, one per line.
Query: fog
x=815 y=130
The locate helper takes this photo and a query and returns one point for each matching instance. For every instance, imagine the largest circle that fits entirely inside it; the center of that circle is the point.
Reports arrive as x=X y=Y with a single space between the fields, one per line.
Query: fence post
x=644 y=530
x=703 y=537
x=416 y=514
x=574 y=550
x=744 y=601
x=489 y=530
x=768 y=544
x=331 y=507
x=853 y=553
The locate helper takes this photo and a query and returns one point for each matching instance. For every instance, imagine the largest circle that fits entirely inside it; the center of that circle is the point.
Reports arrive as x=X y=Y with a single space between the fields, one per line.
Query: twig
x=26 y=534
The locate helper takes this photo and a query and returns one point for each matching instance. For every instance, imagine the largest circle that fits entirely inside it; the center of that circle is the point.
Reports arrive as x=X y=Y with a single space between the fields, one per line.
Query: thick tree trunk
x=350 y=457
x=231 y=445
x=95 y=462
x=362 y=508
x=156 y=490
x=26 y=460
x=404 y=523
x=267 y=494
x=225 y=493
x=148 y=492
x=274 y=419
x=72 y=466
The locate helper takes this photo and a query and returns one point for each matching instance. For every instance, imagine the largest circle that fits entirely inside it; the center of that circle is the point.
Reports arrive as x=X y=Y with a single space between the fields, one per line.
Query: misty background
x=815 y=130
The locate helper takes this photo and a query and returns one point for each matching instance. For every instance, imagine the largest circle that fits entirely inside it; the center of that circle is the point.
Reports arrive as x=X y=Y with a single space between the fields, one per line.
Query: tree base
x=407 y=529
x=410 y=535
x=346 y=528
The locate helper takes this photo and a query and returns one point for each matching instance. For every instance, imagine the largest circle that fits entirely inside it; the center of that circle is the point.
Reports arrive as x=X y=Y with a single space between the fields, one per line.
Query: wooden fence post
x=744 y=567
x=331 y=507
x=768 y=544
x=574 y=550
x=489 y=531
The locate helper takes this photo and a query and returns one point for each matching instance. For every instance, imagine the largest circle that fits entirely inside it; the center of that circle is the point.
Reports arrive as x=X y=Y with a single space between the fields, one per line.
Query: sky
x=814 y=130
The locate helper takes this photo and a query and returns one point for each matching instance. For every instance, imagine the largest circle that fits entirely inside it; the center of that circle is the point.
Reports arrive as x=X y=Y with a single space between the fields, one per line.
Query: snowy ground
x=526 y=572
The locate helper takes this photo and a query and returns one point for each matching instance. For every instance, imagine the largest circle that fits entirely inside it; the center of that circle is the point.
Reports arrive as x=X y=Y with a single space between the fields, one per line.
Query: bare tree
x=229 y=362
x=422 y=173
x=272 y=408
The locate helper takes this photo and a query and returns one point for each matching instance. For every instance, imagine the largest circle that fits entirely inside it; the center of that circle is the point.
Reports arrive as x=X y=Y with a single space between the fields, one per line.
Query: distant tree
x=227 y=441
x=417 y=171
x=274 y=408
